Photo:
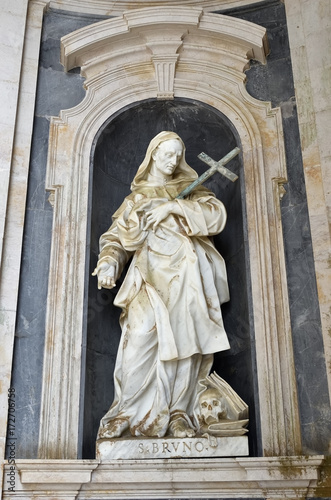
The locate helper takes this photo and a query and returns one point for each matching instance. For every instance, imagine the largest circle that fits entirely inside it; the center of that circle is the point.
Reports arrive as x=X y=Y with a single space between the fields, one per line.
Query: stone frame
x=271 y=478
x=166 y=52
x=103 y=8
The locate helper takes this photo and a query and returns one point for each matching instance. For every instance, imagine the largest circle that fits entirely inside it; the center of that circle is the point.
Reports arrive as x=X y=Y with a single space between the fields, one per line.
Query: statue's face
x=167 y=156
x=211 y=406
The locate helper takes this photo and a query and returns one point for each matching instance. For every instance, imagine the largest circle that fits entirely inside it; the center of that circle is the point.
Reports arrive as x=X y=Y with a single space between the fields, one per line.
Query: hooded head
x=182 y=173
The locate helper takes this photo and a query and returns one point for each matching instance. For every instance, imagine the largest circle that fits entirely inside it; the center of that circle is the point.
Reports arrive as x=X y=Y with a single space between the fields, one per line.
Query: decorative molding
x=20 y=56
x=306 y=44
x=165 y=75
x=104 y=8
x=210 y=53
x=273 y=478
x=164 y=59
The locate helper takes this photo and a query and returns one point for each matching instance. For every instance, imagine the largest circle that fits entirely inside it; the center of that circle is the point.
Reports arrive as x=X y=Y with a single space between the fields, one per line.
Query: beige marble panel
x=170 y=447
x=323 y=123
x=321 y=83
x=317 y=44
x=310 y=43
x=317 y=15
x=326 y=166
x=12 y=27
x=15 y=139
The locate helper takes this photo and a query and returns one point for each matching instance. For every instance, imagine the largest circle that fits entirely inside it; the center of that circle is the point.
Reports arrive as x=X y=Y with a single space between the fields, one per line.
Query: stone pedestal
x=170 y=447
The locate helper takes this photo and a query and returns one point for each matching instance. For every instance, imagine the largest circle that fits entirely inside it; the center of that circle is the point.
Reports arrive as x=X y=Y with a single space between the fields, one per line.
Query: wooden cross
x=215 y=166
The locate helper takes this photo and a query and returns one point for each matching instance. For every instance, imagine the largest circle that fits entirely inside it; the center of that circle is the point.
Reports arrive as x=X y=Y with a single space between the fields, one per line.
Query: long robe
x=170 y=298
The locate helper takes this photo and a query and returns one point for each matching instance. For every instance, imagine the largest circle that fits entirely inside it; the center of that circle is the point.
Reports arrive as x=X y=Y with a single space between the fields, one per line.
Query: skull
x=212 y=407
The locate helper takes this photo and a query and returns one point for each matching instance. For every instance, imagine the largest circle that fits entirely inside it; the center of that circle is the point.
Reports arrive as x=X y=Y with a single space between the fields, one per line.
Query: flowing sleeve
x=130 y=222
x=112 y=245
x=112 y=251
x=125 y=234
x=203 y=214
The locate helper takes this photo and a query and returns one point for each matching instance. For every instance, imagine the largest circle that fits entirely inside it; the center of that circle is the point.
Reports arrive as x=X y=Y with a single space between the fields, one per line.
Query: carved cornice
x=102 y=41
x=159 y=38
x=272 y=478
x=116 y=8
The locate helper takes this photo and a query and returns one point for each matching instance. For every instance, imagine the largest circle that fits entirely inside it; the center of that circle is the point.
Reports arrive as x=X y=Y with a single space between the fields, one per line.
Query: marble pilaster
x=309 y=33
x=19 y=45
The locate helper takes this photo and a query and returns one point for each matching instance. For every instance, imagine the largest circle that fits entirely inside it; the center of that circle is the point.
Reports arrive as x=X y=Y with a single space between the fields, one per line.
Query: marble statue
x=170 y=298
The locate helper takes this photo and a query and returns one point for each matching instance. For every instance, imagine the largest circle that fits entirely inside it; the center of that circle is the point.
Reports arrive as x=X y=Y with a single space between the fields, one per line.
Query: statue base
x=169 y=447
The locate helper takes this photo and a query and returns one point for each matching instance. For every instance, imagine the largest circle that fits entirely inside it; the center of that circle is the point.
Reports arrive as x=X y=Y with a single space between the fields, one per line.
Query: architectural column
x=309 y=27
x=20 y=28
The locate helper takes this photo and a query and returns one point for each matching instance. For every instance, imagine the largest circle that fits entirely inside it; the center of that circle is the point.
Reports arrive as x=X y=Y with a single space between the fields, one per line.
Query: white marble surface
x=126 y=448
x=309 y=31
x=241 y=477
x=20 y=30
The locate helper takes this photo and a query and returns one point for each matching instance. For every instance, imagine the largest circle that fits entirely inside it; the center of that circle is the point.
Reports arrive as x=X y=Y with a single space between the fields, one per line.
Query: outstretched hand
x=106 y=275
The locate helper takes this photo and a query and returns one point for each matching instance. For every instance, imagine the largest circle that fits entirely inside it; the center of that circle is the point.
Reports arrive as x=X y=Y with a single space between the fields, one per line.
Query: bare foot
x=114 y=429
x=180 y=428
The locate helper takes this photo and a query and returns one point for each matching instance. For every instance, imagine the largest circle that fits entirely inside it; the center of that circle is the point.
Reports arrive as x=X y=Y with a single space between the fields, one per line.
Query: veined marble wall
x=305 y=109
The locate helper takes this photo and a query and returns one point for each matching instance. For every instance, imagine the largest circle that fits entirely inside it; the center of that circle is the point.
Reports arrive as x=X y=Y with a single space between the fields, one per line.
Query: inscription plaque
x=126 y=448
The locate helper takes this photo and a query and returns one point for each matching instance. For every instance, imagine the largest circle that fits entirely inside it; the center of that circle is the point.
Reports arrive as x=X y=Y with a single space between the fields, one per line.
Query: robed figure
x=170 y=298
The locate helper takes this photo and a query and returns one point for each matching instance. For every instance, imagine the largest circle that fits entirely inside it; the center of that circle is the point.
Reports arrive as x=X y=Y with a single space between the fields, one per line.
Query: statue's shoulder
x=129 y=202
x=201 y=192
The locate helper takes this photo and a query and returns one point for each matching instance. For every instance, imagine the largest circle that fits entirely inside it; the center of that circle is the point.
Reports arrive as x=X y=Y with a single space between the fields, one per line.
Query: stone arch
x=119 y=148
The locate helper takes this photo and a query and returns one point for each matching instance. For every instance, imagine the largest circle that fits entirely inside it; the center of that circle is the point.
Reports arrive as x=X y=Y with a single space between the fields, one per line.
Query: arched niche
x=119 y=148
x=166 y=53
